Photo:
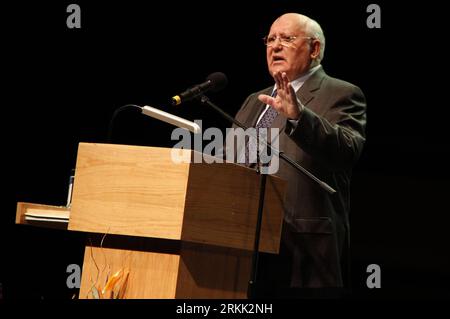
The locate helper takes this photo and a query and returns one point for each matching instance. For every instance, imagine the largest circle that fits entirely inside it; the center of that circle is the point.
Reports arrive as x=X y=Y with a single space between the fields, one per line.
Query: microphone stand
x=251 y=291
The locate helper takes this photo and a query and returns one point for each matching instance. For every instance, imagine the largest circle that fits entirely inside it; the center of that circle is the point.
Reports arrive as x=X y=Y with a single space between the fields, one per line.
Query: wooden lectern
x=161 y=229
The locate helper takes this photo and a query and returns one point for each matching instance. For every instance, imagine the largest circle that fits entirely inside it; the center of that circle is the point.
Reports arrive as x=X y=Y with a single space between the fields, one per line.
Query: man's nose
x=277 y=44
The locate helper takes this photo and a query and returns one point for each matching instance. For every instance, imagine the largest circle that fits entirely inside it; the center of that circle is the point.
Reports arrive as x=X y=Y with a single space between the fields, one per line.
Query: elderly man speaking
x=322 y=126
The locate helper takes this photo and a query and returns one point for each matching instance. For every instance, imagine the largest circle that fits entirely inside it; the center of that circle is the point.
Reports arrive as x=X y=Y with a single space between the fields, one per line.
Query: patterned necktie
x=265 y=122
x=268 y=117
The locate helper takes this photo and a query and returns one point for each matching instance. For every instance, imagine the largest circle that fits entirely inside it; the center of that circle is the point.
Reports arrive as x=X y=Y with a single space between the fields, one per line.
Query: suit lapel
x=307 y=92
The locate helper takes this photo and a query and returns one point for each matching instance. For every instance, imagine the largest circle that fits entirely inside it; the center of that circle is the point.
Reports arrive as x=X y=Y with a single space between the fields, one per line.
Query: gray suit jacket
x=327 y=141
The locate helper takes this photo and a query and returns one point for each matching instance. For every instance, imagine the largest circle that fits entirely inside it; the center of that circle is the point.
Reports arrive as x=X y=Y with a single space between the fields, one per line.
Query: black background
x=60 y=87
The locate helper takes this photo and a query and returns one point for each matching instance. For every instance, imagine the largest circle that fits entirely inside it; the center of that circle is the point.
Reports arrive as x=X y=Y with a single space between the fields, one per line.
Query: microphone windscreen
x=218 y=81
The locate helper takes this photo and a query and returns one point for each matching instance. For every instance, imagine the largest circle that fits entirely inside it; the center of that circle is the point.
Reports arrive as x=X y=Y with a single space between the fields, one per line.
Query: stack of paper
x=47 y=215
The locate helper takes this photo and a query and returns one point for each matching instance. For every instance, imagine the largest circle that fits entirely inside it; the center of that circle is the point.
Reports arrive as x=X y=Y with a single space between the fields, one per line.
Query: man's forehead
x=285 y=24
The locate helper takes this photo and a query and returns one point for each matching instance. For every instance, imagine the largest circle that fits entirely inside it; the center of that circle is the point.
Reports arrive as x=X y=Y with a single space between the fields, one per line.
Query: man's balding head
x=297 y=45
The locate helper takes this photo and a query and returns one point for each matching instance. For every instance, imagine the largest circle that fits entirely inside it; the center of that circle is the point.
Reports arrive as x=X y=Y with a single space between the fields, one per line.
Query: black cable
x=252 y=288
x=113 y=117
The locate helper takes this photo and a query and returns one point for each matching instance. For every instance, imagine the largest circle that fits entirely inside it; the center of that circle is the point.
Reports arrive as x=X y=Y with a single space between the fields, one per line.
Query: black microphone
x=214 y=82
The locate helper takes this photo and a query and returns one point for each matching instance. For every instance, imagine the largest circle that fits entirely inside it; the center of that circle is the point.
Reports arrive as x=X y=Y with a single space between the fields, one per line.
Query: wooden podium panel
x=190 y=271
x=136 y=194
x=128 y=190
x=213 y=272
x=151 y=275
x=222 y=204
x=140 y=191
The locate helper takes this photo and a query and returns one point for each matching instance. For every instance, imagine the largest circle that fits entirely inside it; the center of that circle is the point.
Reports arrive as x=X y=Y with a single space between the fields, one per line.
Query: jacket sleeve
x=336 y=138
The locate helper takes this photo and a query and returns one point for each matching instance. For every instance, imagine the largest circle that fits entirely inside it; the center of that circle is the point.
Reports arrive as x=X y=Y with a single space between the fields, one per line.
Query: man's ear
x=315 y=49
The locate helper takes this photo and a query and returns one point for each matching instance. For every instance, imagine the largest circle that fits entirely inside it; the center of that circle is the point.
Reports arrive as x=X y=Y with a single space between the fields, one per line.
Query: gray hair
x=314 y=30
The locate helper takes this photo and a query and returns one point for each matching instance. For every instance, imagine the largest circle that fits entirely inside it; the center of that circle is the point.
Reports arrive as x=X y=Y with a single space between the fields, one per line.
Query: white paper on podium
x=171 y=119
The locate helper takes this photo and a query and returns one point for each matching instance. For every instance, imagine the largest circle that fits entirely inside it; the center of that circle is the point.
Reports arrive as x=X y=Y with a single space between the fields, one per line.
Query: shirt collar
x=298 y=82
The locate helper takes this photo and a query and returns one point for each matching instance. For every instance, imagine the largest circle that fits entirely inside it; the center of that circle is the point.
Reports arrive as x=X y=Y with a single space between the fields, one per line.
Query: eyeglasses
x=286 y=41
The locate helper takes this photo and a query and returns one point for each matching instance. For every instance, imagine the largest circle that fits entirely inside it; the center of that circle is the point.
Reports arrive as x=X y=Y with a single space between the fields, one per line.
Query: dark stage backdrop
x=60 y=87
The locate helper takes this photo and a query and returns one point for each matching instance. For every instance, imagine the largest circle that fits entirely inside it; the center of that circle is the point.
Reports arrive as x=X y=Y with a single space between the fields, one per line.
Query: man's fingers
x=266 y=99
x=282 y=82
x=285 y=81
x=277 y=78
